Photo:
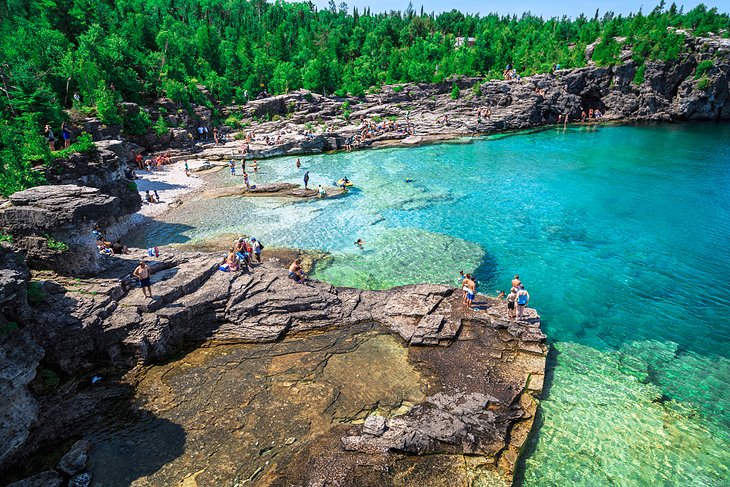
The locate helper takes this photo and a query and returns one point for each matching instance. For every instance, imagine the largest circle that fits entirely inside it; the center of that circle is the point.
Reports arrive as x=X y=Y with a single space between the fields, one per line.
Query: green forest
x=108 y=51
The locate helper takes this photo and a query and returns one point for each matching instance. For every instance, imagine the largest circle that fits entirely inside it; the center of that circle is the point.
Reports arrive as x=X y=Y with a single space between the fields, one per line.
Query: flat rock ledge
x=273 y=189
x=473 y=423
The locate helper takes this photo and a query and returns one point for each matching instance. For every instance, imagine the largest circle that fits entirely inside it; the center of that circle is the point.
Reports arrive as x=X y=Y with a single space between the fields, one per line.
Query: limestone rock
x=49 y=478
x=74 y=461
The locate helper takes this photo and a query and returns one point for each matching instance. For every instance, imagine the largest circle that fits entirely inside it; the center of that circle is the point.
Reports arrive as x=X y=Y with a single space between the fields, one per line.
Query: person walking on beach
x=142 y=272
x=306 y=180
x=523 y=297
x=511 y=299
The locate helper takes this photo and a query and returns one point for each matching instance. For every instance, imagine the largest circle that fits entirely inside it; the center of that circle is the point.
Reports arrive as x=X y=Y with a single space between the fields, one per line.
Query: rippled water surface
x=621 y=235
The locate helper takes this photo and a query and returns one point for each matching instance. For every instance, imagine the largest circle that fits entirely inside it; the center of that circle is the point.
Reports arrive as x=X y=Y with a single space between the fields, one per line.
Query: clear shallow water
x=621 y=235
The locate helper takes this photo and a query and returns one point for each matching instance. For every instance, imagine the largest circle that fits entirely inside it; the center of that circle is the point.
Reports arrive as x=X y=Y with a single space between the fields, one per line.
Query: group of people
x=150 y=163
x=593 y=114
x=510 y=73
x=246 y=180
x=106 y=247
x=242 y=254
x=152 y=198
x=51 y=138
x=482 y=113
x=517 y=299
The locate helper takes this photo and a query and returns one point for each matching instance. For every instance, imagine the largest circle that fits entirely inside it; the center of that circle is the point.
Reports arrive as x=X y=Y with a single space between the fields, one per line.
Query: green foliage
x=136 y=122
x=703 y=84
x=8 y=328
x=346 y=112
x=47 y=380
x=212 y=53
x=231 y=121
x=703 y=67
x=55 y=245
x=21 y=148
x=36 y=295
x=161 y=127
x=454 y=91
x=106 y=105
x=607 y=52
x=132 y=186
x=83 y=144
x=477 y=90
x=6 y=237
x=639 y=75
x=397 y=89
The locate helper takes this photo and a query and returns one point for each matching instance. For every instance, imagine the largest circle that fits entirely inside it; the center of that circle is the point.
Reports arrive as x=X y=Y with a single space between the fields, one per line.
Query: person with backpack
x=257 y=248
x=523 y=297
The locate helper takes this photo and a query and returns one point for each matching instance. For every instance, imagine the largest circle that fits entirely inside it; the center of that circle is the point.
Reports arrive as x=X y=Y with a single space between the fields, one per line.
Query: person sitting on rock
x=118 y=248
x=233 y=261
x=149 y=198
x=295 y=271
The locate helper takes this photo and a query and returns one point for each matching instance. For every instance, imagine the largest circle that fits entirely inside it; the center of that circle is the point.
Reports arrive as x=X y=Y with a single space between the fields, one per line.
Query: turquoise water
x=621 y=235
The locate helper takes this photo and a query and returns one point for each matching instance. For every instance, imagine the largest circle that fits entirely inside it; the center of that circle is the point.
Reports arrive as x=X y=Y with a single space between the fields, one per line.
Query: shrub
x=477 y=90
x=36 y=294
x=276 y=118
x=83 y=144
x=161 y=128
x=6 y=237
x=55 y=245
x=702 y=68
x=454 y=91
x=639 y=76
x=231 y=121
x=8 y=328
x=137 y=123
x=106 y=105
x=397 y=89
x=704 y=84
x=132 y=186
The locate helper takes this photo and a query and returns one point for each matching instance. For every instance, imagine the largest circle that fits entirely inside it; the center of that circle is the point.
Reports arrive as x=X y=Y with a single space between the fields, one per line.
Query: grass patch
x=702 y=68
x=56 y=245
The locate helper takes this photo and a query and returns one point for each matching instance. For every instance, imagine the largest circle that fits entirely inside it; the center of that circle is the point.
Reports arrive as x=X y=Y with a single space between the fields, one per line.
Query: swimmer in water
x=360 y=243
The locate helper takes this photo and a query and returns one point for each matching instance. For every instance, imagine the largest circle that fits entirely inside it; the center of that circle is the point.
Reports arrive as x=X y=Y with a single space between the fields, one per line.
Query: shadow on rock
x=121 y=456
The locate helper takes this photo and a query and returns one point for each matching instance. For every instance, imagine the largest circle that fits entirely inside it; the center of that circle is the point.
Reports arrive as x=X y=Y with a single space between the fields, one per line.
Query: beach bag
x=153 y=252
x=224 y=268
x=522 y=299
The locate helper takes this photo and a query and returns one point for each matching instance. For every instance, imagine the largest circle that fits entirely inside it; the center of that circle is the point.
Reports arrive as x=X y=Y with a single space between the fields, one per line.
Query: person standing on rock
x=511 y=299
x=306 y=180
x=50 y=137
x=142 y=272
x=516 y=283
x=523 y=297
x=66 y=134
x=257 y=247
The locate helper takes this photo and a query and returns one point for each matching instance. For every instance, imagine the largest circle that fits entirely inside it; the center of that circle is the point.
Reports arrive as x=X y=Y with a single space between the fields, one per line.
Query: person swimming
x=360 y=243
x=409 y=180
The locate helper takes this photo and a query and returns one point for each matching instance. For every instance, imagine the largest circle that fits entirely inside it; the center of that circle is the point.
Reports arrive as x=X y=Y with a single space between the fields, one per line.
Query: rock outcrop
x=666 y=91
x=107 y=322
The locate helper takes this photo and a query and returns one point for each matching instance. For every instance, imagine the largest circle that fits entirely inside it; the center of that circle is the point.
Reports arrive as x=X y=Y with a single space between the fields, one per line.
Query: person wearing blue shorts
x=142 y=272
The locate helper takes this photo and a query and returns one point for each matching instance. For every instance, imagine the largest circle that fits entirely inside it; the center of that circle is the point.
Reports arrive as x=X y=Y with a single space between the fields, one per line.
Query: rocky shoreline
x=110 y=326
x=68 y=313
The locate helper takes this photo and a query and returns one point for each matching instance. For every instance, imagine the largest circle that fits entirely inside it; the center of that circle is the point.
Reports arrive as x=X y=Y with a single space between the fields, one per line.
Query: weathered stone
x=74 y=461
x=374 y=426
x=49 y=478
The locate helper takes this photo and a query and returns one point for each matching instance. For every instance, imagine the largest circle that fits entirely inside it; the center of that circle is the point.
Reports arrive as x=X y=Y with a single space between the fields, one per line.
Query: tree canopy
x=138 y=50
